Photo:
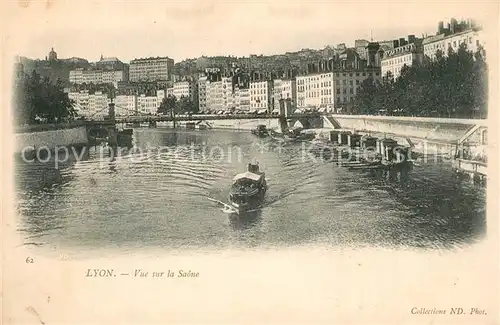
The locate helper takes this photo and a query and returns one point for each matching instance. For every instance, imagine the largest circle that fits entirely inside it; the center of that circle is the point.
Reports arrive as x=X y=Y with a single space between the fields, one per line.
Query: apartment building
x=202 y=93
x=147 y=104
x=215 y=96
x=242 y=99
x=228 y=100
x=408 y=54
x=81 y=100
x=261 y=95
x=348 y=82
x=80 y=76
x=284 y=89
x=474 y=39
x=316 y=90
x=90 y=105
x=183 y=89
x=125 y=105
x=98 y=105
x=151 y=69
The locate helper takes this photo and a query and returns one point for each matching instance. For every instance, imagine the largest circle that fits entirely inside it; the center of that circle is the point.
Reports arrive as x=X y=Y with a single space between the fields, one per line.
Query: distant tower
x=52 y=55
x=372 y=49
x=440 y=27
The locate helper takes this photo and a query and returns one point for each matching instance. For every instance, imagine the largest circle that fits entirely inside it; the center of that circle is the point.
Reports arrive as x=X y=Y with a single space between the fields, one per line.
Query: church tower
x=52 y=55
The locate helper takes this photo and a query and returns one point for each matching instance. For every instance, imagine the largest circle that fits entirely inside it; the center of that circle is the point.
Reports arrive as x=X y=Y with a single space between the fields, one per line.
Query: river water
x=156 y=196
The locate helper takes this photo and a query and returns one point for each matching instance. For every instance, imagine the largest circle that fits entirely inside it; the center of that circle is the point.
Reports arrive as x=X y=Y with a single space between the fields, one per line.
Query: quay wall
x=233 y=124
x=432 y=135
x=439 y=129
x=52 y=138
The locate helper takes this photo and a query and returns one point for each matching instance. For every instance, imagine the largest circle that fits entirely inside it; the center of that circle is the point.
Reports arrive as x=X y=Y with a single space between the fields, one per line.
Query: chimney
x=411 y=39
x=396 y=43
x=440 y=27
x=453 y=25
x=402 y=41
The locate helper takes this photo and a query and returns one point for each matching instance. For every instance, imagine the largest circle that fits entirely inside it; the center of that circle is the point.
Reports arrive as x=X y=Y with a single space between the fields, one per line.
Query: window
x=357 y=74
x=357 y=82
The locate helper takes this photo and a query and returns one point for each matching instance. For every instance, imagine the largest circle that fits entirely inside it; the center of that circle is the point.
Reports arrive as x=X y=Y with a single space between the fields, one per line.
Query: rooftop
x=110 y=59
x=402 y=50
x=247 y=175
x=151 y=58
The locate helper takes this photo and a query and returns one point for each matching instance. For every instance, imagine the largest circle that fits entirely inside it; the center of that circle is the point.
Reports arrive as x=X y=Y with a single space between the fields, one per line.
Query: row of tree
x=455 y=85
x=37 y=99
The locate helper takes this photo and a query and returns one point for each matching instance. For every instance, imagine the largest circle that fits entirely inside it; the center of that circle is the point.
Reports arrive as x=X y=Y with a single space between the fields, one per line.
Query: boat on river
x=297 y=134
x=260 y=131
x=321 y=142
x=248 y=189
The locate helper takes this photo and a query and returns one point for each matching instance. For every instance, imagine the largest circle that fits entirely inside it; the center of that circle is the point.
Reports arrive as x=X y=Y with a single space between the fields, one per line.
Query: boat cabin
x=354 y=140
x=253 y=168
x=386 y=148
x=339 y=135
x=368 y=142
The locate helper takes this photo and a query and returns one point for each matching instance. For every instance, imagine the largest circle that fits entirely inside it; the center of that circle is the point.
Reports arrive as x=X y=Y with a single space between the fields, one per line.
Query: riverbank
x=49 y=136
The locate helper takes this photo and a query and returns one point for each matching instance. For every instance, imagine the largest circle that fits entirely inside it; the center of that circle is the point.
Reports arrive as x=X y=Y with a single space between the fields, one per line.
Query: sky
x=192 y=28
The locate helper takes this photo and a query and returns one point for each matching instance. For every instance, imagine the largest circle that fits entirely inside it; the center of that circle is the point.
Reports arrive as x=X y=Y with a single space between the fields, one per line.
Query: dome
x=52 y=54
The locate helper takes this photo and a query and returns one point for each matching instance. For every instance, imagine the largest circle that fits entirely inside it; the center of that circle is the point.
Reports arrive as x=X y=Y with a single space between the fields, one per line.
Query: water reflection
x=434 y=209
x=246 y=220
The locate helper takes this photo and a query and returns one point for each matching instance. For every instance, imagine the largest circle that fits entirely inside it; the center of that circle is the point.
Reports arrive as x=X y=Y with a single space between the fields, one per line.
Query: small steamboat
x=248 y=189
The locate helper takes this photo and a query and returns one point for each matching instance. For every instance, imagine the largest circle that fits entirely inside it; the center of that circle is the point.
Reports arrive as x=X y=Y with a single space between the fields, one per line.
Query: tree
x=36 y=97
x=168 y=105
x=364 y=99
x=186 y=105
x=451 y=86
x=479 y=78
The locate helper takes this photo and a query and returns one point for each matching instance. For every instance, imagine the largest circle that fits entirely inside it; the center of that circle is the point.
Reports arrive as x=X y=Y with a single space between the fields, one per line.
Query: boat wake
x=227 y=208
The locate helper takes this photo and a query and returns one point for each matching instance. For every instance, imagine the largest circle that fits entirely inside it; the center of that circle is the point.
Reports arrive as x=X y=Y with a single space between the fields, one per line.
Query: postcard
x=255 y=162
